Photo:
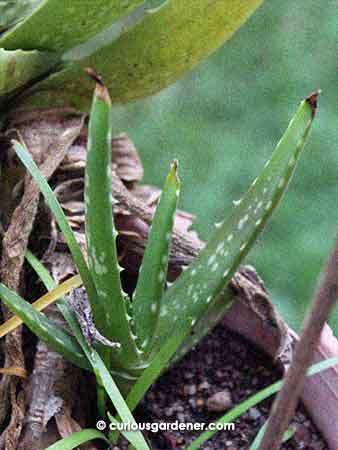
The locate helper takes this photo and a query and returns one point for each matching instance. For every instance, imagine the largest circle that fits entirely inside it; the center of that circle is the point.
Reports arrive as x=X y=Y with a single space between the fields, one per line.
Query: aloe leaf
x=153 y=271
x=153 y=54
x=255 y=399
x=103 y=377
x=197 y=288
x=158 y=364
x=101 y=233
x=54 y=336
x=76 y=439
x=17 y=68
x=258 y=439
x=58 y=25
x=206 y=322
x=60 y=217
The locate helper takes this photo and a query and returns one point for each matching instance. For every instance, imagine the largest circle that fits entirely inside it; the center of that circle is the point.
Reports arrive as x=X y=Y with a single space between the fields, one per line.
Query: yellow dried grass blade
x=43 y=302
x=14 y=371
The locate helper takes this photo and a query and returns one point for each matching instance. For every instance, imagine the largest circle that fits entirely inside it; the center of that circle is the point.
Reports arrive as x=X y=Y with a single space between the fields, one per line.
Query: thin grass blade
x=153 y=272
x=76 y=439
x=257 y=441
x=60 y=217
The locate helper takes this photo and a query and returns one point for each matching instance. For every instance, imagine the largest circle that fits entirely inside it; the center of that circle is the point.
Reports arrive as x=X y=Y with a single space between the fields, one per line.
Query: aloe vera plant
x=143 y=324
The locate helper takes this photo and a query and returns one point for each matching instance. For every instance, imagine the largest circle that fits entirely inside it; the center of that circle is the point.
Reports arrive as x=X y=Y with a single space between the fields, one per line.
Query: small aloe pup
x=143 y=324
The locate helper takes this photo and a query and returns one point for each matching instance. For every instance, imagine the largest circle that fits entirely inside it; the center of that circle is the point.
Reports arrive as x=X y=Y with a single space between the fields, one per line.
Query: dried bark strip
x=51 y=391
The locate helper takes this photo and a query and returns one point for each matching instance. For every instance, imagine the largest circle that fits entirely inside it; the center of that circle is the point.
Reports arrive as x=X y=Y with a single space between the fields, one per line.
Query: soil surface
x=228 y=366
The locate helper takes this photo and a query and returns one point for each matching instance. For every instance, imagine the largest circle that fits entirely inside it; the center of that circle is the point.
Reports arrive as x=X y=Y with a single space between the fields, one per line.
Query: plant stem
x=287 y=399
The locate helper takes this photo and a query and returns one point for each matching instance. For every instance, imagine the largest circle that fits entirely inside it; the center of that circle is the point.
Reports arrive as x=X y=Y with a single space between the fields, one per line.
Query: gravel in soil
x=220 y=372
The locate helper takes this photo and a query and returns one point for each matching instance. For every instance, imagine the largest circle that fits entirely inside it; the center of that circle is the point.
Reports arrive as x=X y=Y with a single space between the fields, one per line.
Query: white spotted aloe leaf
x=153 y=271
x=111 y=306
x=53 y=335
x=196 y=292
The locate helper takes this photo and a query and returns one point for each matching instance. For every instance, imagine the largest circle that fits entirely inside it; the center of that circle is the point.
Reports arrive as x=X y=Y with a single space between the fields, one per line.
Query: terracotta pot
x=320 y=394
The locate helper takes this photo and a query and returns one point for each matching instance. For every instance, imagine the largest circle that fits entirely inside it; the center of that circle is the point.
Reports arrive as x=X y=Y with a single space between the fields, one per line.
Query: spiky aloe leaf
x=198 y=287
x=60 y=218
x=153 y=272
x=153 y=54
x=17 y=68
x=54 y=336
x=58 y=25
x=75 y=439
x=101 y=233
x=158 y=364
x=206 y=322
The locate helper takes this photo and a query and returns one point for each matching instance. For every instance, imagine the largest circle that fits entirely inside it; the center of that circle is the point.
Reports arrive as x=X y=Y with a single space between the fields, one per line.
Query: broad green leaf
x=198 y=286
x=103 y=377
x=257 y=398
x=76 y=439
x=54 y=336
x=153 y=271
x=17 y=68
x=58 y=25
x=101 y=234
x=60 y=217
x=258 y=439
x=12 y=11
x=153 y=54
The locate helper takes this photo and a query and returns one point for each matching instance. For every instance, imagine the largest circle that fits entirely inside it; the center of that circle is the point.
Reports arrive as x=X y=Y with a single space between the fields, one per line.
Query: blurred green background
x=222 y=123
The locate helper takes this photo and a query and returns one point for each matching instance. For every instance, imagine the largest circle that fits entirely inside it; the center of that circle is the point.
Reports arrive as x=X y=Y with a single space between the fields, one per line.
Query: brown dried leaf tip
x=94 y=75
x=174 y=165
x=312 y=100
x=101 y=91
